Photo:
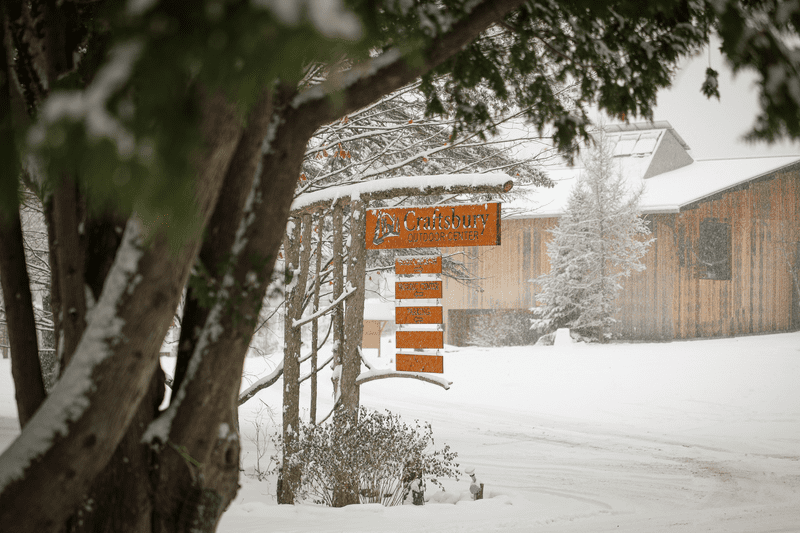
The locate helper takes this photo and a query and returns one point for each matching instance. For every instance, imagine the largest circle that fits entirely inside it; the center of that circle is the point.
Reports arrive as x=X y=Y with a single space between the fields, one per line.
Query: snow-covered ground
x=634 y=438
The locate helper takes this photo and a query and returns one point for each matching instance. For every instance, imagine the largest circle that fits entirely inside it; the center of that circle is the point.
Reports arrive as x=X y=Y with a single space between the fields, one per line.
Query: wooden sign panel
x=435 y=226
x=371 y=336
x=417 y=289
x=419 y=340
x=418 y=265
x=429 y=314
x=420 y=363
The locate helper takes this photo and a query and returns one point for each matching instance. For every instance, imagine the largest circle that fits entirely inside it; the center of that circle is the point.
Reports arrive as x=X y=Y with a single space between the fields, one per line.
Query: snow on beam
x=261 y=384
x=375 y=374
x=381 y=189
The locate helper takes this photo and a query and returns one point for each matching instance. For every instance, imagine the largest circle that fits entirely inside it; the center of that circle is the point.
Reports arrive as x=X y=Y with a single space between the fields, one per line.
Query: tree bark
x=25 y=367
x=315 y=323
x=338 y=288
x=290 y=472
x=114 y=364
x=297 y=256
x=121 y=497
x=354 y=317
x=222 y=228
x=346 y=490
x=209 y=390
x=70 y=264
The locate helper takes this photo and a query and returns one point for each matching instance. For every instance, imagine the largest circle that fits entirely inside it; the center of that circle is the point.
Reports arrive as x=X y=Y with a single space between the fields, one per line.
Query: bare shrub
x=384 y=452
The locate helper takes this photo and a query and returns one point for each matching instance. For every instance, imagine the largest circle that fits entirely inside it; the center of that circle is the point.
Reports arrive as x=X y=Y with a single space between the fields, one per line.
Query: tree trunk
x=114 y=364
x=290 y=472
x=338 y=288
x=69 y=250
x=121 y=497
x=221 y=231
x=346 y=489
x=25 y=365
x=315 y=323
x=20 y=323
x=209 y=390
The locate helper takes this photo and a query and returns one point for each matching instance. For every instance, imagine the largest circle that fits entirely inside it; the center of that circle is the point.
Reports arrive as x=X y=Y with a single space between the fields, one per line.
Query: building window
x=714 y=250
x=634 y=144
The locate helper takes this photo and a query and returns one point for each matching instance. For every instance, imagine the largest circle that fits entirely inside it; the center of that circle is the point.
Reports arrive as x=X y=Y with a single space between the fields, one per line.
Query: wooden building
x=725 y=261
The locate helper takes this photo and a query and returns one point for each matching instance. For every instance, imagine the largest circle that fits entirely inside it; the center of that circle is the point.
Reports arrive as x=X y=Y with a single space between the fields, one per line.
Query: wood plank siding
x=670 y=299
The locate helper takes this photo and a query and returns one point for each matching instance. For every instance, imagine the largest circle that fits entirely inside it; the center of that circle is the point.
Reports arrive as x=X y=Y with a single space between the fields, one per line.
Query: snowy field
x=633 y=438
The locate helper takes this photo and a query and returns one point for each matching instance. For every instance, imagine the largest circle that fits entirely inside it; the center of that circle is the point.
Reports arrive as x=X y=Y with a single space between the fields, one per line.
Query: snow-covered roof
x=649 y=157
x=673 y=190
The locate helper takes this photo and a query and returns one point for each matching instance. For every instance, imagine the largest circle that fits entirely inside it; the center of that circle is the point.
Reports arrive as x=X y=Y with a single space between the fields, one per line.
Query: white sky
x=711 y=128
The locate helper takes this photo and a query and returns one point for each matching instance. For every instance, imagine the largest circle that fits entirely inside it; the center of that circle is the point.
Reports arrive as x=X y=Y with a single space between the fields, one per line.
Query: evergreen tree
x=597 y=244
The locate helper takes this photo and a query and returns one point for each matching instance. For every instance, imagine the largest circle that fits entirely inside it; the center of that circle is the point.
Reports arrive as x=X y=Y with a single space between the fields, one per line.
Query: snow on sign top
x=433 y=226
x=365 y=189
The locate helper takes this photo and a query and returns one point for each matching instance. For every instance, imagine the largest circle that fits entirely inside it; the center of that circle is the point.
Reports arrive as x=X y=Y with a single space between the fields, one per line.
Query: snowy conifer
x=599 y=241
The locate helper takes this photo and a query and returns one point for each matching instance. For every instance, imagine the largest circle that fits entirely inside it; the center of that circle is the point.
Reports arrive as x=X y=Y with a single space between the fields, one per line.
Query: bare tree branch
x=373 y=375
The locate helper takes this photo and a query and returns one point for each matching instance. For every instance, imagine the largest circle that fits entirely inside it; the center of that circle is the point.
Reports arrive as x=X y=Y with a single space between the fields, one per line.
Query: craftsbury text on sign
x=433 y=226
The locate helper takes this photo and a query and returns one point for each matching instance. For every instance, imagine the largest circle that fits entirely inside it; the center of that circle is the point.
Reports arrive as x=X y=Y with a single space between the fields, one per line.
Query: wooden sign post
x=426 y=227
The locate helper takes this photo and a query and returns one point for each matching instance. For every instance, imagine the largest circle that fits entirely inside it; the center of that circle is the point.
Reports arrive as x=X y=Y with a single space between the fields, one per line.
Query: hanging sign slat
x=429 y=314
x=417 y=289
x=420 y=363
x=419 y=340
x=433 y=226
x=418 y=265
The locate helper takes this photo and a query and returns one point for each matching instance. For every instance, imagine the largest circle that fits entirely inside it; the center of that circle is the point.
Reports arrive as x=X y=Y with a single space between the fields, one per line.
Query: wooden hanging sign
x=418 y=265
x=429 y=314
x=419 y=340
x=417 y=289
x=433 y=226
x=420 y=363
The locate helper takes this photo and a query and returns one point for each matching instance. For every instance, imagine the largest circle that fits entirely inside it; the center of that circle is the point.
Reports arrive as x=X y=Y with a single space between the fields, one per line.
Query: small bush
x=501 y=328
x=384 y=452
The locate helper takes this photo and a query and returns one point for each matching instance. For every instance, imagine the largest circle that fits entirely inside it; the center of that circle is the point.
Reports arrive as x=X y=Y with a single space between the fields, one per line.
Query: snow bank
x=673 y=437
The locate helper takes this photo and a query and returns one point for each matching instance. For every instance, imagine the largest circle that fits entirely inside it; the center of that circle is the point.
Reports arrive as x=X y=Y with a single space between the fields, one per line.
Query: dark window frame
x=714 y=250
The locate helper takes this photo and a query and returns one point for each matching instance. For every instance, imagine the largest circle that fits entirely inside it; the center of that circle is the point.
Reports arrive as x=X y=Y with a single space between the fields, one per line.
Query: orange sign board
x=417 y=289
x=418 y=265
x=418 y=315
x=420 y=363
x=419 y=339
x=434 y=226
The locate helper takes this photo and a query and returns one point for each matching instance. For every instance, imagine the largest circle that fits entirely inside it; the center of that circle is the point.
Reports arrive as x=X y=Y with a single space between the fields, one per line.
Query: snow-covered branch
x=263 y=383
x=297 y=323
x=320 y=367
x=375 y=374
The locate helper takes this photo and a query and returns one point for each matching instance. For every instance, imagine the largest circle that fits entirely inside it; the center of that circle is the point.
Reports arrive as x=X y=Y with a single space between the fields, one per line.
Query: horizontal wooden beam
x=389 y=192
